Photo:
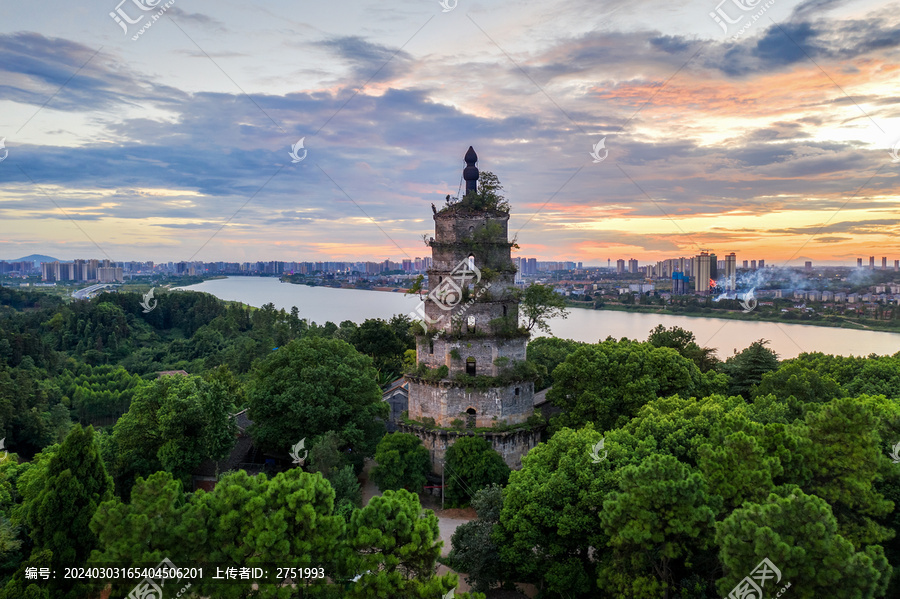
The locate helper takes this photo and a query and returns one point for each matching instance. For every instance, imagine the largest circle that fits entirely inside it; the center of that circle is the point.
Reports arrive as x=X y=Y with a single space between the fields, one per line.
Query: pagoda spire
x=470 y=173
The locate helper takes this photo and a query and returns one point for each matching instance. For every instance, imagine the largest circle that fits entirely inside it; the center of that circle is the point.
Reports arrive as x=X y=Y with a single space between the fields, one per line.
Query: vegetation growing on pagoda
x=487 y=198
x=509 y=371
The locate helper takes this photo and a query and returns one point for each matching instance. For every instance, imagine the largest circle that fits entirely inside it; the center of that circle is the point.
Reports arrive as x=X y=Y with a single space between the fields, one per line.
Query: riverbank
x=761 y=314
x=726 y=335
x=833 y=321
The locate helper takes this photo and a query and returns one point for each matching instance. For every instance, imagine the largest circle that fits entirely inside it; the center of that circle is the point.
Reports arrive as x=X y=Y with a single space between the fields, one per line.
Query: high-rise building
x=872 y=262
x=762 y=264
x=746 y=264
x=884 y=263
x=632 y=266
x=713 y=267
x=896 y=265
x=859 y=263
x=730 y=271
x=807 y=266
x=532 y=266
x=110 y=274
x=49 y=272
x=701 y=273
x=753 y=265
x=91 y=267
x=620 y=266
x=680 y=283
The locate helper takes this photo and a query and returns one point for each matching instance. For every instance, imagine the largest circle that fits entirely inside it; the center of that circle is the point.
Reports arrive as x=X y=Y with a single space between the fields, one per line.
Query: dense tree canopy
x=173 y=424
x=312 y=386
x=547 y=353
x=549 y=516
x=470 y=465
x=665 y=475
x=401 y=462
x=607 y=383
x=684 y=342
x=59 y=501
x=747 y=367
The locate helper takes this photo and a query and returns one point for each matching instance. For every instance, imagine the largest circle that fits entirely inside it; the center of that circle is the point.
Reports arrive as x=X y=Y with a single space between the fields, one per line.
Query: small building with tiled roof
x=397 y=396
x=541 y=402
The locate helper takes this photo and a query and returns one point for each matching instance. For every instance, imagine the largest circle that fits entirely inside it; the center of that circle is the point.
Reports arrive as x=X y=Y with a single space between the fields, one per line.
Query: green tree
x=737 y=466
x=21 y=588
x=11 y=553
x=474 y=551
x=287 y=520
x=872 y=375
x=684 y=342
x=844 y=460
x=158 y=522
x=59 y=507
x=746 y=368
x=401 y=462
x=489 y=189
x=233 y=386
x=549 y=516
x=347 y=491
x=660 y=520
x=548 y=353
x=380 y=340
x=792 y=379
x=325 y=455
x=470 y=465
x=607 y=383
x=539 y=303
x=314 y=385
x=173 y=424
x=396 y=549
x=799 y=535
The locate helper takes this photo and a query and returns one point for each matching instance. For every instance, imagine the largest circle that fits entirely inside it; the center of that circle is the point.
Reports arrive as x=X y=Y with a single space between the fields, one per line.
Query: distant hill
x=37 y=258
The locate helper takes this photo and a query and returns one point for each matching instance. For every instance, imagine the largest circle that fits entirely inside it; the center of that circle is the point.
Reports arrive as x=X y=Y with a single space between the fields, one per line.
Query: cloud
x=744 y=130
x=72 y=77
x=371 y=62
x=197 y=18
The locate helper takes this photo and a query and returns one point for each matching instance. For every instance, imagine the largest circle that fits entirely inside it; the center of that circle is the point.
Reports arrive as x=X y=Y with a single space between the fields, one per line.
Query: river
x=321 y=304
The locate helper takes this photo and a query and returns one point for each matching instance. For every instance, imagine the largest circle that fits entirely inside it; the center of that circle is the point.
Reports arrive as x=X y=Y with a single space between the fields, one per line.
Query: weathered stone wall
x=445 y=402
x=453 y=241
x=512 y=445
x=485 y=351
x=475 y=314
x=450 y=227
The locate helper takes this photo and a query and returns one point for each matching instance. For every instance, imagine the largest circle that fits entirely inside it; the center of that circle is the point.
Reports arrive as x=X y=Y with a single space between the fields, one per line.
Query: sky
x=645 y=129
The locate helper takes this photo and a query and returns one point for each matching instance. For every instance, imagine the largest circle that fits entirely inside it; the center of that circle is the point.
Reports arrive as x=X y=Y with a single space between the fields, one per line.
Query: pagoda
x=472 y=376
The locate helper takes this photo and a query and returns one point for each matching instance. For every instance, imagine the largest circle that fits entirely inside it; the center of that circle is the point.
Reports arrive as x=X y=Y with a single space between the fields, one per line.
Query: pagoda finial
x=470 y=173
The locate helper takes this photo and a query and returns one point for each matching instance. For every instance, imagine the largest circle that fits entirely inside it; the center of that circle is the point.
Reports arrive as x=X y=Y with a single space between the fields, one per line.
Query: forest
x=663 y=470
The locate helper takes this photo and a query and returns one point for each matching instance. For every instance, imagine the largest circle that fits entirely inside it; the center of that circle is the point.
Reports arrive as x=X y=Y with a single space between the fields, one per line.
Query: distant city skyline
x=630 y=265
x=644 y=130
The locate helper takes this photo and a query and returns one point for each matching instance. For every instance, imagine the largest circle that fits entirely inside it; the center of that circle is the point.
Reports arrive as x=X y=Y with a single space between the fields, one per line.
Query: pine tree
x=68 y=494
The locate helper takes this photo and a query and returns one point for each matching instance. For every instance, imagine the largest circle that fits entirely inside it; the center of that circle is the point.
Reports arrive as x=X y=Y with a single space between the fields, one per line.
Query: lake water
x=321 y=304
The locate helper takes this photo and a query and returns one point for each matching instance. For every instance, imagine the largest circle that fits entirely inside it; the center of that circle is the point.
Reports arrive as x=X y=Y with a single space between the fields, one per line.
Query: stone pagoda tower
x=472 y=372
